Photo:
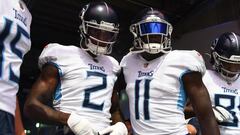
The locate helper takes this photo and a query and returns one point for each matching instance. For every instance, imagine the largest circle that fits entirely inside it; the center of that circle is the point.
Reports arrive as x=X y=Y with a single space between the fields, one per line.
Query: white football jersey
x=226 y=95
x=155 y=91
x=85 y=85
x=15 y=21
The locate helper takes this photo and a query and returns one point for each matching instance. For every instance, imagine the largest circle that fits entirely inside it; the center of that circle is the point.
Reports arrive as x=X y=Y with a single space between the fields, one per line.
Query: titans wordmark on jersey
x=85 y=85
x=15 y=21
x=226 y=95
x=155 y=90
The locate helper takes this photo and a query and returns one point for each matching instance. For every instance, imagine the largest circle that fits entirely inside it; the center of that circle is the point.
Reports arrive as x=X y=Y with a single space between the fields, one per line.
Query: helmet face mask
x=225 y=53
x=228 y=69
x=98 y=30
x=152 y=34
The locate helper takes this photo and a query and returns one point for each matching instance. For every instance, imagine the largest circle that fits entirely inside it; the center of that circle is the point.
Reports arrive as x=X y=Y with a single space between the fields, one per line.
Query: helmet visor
x=153 y=28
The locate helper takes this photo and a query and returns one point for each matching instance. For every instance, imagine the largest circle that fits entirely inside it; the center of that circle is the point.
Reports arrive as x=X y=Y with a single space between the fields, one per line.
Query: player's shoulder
x=53 y=46
x=60 y=47
x=184 y=53
x=128 y=58
x=59 y=50
x=25 y=8
x=22 y=11
x=17 y=11
x=111 y=59
x=58 y=53
x=210 y=74
x=186 y=59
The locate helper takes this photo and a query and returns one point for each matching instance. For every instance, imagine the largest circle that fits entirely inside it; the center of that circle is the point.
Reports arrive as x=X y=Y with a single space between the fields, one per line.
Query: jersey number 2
x=86 y=102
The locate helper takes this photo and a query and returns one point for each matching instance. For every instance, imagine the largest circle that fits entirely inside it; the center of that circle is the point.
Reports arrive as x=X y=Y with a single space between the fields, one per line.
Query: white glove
x=117 y=129
x=80 y=126
x=222 y=115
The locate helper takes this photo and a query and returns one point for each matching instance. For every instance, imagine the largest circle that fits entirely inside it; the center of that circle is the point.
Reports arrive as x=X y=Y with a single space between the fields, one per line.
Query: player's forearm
x=42 y=113
x=207 y=120
x=116 y=117
x=209 y=126
x=19 y=129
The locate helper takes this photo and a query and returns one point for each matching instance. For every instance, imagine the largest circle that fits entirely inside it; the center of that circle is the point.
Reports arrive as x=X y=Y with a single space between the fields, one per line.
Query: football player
x=158 y=80
x=223 y=82
x=14 y=44
x=79 y=80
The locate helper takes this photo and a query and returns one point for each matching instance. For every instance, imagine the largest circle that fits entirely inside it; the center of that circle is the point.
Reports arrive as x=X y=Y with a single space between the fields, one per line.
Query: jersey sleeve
x=194 y=61
x=123 y=62
x=116 y=67
x=28 y=14
x=48 y=55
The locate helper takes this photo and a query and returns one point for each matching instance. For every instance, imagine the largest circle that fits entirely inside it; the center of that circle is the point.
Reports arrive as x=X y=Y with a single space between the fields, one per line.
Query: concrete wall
x=200 y=40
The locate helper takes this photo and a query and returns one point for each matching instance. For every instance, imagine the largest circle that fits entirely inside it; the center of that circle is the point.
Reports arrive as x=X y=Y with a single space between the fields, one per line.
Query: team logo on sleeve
x=20 y=17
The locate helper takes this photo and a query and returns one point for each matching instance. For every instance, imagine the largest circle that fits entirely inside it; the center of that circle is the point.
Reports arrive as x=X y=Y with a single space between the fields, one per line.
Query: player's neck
x=91 y=54
x=149 y=57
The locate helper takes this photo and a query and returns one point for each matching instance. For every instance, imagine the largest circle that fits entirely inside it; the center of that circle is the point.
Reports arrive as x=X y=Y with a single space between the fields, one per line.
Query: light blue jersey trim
x=182 y=95
x=58 y=94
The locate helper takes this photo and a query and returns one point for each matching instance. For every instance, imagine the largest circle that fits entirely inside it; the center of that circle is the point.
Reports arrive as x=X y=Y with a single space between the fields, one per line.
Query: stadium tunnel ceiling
x=57 y=21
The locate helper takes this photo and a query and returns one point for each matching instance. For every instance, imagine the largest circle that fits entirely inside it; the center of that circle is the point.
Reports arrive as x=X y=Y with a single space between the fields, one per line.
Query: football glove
x=117 y=129
x=80 y=126
x=222 y=115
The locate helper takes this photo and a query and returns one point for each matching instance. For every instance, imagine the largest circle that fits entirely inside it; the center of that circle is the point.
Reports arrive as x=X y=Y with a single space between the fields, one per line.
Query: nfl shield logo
x=145 y=65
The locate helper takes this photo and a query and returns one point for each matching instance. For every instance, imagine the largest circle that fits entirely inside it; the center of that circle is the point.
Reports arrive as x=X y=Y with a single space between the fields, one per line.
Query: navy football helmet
x=99 y=28
x=152 y=32
x=225 y=56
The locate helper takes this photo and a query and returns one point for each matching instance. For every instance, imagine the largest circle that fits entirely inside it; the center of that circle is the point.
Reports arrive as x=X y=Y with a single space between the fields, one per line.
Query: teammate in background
x=223 y=82
x=14 y=44
x=158 y=80
x=80 y=79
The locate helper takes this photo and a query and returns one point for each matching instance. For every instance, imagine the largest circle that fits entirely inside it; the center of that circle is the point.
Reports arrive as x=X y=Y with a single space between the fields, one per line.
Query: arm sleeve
x=48 y=55
x=194 y=62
